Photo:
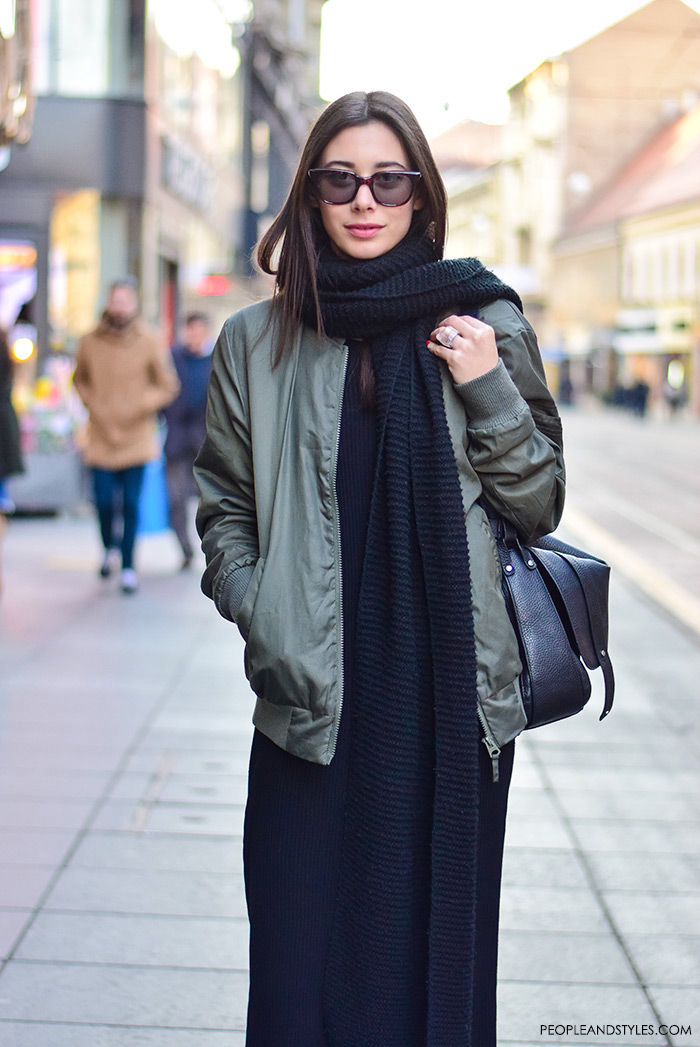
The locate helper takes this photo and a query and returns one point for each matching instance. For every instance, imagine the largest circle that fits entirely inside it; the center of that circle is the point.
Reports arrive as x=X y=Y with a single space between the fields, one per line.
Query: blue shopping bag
x=154 y=509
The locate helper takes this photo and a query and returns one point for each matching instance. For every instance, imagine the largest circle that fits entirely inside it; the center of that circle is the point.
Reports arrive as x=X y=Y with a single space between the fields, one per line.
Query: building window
x=89 y=48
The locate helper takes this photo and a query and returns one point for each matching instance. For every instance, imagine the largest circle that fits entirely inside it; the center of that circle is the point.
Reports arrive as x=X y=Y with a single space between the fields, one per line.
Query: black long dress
x=294 y=817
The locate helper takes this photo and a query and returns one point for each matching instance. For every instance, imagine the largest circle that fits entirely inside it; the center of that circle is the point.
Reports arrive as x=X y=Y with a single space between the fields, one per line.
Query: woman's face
x=364 y=229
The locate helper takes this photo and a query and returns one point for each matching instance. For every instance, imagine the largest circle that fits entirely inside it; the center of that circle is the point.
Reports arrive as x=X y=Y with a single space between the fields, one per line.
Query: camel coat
x=124 y=377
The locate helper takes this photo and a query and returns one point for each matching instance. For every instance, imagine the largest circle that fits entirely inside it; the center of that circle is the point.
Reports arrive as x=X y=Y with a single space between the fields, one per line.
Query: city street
x=124 y=736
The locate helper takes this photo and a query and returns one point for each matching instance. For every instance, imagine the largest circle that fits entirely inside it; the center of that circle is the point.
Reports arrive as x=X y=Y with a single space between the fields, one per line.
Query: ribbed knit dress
x=294 y=816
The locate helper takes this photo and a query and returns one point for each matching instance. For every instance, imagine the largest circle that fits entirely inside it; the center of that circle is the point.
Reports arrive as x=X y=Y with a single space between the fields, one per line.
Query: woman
x=10 y=455
x=346 y=448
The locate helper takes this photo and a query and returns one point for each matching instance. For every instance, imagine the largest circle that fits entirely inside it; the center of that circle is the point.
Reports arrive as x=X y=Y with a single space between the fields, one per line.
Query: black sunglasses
x=389 y=188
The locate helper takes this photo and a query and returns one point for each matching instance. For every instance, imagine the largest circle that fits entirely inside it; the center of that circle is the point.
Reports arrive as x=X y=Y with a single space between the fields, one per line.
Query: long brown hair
x=298 y=230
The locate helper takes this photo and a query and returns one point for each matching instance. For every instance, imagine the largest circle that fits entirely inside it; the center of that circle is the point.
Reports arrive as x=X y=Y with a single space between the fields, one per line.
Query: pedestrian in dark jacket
x=10 y=454
x=185 y=418
x=355 y=425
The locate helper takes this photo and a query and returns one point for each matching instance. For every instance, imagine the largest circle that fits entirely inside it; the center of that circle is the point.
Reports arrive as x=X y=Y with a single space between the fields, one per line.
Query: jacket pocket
x=245 y=613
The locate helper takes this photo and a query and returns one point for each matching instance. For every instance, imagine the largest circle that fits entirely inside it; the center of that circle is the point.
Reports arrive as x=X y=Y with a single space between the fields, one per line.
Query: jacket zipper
x=490 y=743
x=339 y=561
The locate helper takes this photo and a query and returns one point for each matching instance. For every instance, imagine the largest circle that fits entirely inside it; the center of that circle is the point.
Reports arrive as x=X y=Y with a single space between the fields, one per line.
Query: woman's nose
x=363 y=198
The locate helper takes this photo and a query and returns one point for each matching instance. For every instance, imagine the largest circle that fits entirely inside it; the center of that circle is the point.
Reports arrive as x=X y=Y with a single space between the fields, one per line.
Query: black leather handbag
x=557 y=600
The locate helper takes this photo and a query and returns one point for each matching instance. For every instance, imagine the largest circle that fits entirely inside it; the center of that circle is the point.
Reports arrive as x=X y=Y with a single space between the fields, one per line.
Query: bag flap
x=582 y=584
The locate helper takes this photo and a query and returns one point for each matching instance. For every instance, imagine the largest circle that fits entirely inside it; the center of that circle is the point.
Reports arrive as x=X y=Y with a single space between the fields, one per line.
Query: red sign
x=213 y=285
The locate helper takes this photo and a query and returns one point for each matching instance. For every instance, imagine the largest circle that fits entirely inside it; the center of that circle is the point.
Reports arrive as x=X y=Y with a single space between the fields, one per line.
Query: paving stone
x=21 y=783
x=186 y=818
x=34 y=846
x=63 y=758
x=148 y=940
x=12 y=922
x=526 y=775
x=640 y=837
x=666 y=959
x=654 y=912
x=537 y=831
x=555 y=956
x=523 y=1007
x=203 y=728
x=218 y=699
x=44 y=813
x=632 y=806
x=542 y=867
x=45 y=1034
x=21 y=886
x=529 y=803
x=111 y=995
x=600 y=755
x=208 y=762
x=646 y=871
x=131 y=786
x=158 y=853
x=219 y=741
x=160 y=893
x=560 y=909
x=614 y=780
x=679 y=1007
x=231 y=789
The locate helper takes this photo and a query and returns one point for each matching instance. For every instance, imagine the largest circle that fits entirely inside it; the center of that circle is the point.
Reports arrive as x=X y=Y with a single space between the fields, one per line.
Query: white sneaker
x=130 y=582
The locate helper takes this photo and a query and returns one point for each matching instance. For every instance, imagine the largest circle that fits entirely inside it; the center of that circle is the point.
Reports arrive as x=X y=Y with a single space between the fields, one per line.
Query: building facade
x=159 y=127
x=630 y=263
x=280 y=53
x=577 y=119
x=131 y=165
x=16 y=100
x=164 y=134
x=575 y=123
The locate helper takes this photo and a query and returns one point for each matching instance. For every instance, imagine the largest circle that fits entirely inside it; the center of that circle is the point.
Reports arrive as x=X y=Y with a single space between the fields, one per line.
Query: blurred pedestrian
x=353 y=424
x=10 y=454
x=186 y=429
x=124 y=376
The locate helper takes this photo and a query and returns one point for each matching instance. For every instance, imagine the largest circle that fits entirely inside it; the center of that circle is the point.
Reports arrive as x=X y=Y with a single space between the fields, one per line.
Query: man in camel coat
x=124 y=376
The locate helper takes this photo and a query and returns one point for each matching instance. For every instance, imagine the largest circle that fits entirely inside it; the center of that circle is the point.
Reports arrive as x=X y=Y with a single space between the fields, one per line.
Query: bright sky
x=453 y=59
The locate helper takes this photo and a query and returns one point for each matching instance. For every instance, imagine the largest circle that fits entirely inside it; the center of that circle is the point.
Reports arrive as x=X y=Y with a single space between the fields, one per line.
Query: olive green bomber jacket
x=268 y=514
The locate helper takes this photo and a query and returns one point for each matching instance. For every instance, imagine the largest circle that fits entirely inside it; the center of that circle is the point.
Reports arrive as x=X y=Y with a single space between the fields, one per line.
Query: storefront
x=114 y=181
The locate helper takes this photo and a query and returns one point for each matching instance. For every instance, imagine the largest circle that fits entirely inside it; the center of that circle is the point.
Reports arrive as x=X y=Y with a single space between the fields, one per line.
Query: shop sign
x=213 y=285
x=185 y=174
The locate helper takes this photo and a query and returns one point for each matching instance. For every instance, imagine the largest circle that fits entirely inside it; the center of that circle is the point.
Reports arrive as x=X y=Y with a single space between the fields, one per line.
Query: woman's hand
x=473 y=349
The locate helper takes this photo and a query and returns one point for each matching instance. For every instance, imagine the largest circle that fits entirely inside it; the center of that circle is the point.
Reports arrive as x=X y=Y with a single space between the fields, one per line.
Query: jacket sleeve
x=81 y=376
x=226 y=518
x=515 y=434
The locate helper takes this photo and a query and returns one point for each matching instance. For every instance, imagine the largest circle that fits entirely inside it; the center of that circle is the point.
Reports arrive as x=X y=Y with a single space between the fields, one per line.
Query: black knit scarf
x=401 y=961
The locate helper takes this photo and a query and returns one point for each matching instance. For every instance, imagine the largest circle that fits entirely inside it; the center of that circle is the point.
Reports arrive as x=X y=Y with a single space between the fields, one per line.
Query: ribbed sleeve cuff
x=233 y=590
x=491 y=398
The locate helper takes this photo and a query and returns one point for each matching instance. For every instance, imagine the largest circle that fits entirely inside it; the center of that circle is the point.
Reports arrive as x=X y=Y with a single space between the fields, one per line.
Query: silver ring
x=448 y=335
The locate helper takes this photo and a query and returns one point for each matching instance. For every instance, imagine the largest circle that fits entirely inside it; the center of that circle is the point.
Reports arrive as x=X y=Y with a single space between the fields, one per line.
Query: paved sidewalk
x=123 y=755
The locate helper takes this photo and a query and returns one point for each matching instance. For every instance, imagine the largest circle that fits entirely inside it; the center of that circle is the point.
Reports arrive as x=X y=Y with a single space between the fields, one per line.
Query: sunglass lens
x=392 y=188
x=335 y=187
